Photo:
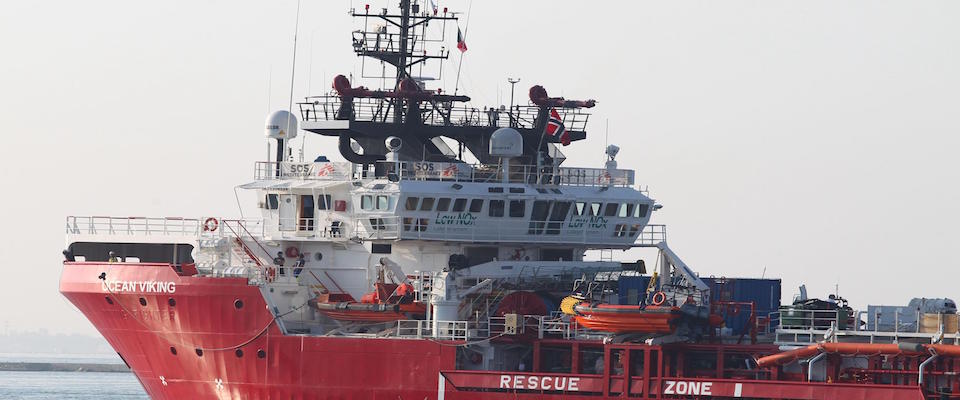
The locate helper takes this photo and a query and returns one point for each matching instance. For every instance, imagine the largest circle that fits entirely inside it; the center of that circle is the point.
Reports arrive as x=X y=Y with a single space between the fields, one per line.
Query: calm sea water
x=68 y=385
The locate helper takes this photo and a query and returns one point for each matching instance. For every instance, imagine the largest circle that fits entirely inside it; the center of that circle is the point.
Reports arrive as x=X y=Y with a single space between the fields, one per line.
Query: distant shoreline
x=61 y=367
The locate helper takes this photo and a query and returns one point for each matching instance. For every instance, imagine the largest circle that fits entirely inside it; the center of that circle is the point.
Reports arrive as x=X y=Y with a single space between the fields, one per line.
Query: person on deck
x=113 y=257
x=298 y=266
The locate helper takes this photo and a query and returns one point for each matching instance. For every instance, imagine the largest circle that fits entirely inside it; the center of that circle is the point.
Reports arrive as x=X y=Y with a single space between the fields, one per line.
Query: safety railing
x=442 y=330
x=77 y=225
x=437 y=171
x=381 y=110
x=793 y=326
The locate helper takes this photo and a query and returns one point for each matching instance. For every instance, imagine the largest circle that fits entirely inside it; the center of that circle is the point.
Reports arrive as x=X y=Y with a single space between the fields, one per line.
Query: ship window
x=557 y=191
x=476 y=205
x=634 y=229
x=459 y=205
x=411 y=204
x=620 y=230
x=272 y=202
x=539 y=190
x=518 y=208
x=555 y=359
x=626 y=209
x=407 y=223
x=427 y=204
x=422 y=224
x=580 y=208
x=642 y=210
x=496 y=208
x=323 y=202
x=381 y=248
x=610 y=210
x=560 y=210
x=366 y=202
x=517 y=190
x=591 y=360
x=541 y=208
x=495 y=190
x=383 y=203
x=377 y=224
x=443 y=204
x=594 y=209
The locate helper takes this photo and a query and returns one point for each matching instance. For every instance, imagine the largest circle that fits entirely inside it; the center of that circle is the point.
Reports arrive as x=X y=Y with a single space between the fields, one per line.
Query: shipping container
x=763 y=293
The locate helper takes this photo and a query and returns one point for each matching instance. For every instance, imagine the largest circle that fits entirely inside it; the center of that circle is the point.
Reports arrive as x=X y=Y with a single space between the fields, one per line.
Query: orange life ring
x=292 y=252
x=210 y=224
x=659 y=298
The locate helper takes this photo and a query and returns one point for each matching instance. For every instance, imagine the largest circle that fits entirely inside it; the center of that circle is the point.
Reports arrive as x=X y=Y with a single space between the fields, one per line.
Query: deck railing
x=77 y=225
x=438 y=171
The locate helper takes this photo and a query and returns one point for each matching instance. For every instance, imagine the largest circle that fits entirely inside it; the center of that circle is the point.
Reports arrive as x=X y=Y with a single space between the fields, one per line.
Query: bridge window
x=642 y=209
x=594 y=209
x=541 y=208
x=383 y=203
x=620 y=230
x=459 y=205
x=496 y=208
x=518 y=208
x=443 y=204
x=559 y=214
x=580 y=208
x=426 y=204
x=476 y=205
x=411 y=204
x=323 y=202
x=273 y=202
x=610 y=210
x=634 y=229
x=626 y=209
x=366 y=202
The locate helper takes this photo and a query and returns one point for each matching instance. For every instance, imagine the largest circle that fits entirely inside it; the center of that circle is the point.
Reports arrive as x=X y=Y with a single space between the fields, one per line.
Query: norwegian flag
x=461 y=44
x=555 y=128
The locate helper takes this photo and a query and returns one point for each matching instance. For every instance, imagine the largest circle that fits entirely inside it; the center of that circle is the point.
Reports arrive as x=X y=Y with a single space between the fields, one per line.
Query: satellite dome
x=506 y=142
x=281 y=125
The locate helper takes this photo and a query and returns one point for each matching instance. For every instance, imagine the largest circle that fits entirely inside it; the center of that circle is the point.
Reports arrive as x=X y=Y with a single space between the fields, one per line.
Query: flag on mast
x=555 y=128
x=461 y=44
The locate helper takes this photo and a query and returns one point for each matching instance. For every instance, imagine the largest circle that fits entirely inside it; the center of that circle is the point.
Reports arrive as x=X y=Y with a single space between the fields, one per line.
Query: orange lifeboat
x=627 y=318
x=387 y=303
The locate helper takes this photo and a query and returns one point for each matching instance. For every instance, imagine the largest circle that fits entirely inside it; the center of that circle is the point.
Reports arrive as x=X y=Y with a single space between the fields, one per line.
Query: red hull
x=204 y=314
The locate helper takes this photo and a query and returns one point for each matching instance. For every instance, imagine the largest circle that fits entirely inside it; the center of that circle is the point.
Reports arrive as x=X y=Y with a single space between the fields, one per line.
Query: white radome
x=506 y=142
x=281 y=125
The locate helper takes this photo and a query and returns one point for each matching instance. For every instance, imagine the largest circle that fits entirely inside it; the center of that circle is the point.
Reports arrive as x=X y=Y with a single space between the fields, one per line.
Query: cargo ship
x=446 y=258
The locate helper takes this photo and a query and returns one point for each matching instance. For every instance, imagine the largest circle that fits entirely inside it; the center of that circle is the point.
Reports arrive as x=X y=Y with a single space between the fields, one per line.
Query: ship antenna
x=293 y=72
x=466 y=27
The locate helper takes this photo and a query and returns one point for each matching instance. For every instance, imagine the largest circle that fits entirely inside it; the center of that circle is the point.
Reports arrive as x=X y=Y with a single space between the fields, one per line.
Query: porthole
x=173 y=350
x=172 y=302
x=199 y=352
x=239 y=353
x=143 y=301
x=261 y=353
x=109 y=300
x=318 y=256
x=238 y=303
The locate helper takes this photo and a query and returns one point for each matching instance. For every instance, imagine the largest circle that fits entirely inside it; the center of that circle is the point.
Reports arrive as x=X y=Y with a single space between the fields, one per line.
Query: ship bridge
x=451 y=201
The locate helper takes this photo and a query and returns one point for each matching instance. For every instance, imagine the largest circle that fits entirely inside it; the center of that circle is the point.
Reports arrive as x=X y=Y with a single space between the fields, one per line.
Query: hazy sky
x=815 y=140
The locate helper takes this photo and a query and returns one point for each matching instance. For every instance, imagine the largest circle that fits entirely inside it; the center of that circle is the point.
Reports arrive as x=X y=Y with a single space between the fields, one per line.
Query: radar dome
x=506 y=142
x=281 y=125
